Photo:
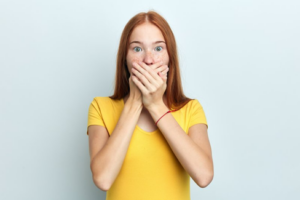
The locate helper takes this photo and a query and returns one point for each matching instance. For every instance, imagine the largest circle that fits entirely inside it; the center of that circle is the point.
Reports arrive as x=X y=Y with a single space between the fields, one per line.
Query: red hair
x=174 y=91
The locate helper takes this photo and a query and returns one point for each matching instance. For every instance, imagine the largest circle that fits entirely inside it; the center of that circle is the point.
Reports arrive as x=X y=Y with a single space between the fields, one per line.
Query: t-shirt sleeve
x=197 y=115
x=95 y=115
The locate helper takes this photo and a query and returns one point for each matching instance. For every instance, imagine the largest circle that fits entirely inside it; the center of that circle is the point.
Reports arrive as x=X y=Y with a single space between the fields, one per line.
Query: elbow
x=204 y=181
x=205 y=176
x=102 y=185
x=100 y=181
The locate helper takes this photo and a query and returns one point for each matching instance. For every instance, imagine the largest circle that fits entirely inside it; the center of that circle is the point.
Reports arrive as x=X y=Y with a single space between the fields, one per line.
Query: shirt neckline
x=139 y=128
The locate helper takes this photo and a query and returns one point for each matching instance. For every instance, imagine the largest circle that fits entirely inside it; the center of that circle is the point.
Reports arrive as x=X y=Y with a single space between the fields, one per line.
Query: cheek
x=130 y=60
x=133 y=58
x=164 y=56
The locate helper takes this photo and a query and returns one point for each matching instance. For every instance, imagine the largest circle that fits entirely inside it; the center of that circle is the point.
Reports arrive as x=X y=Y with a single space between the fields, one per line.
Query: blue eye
x=137 y=48
x=159 y=48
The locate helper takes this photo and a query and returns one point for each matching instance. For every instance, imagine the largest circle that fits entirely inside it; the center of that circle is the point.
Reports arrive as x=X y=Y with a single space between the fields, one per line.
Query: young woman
x=148 y=139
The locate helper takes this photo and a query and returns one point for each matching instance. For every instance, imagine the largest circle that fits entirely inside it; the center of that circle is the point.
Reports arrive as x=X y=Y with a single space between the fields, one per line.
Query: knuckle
x=152 y=90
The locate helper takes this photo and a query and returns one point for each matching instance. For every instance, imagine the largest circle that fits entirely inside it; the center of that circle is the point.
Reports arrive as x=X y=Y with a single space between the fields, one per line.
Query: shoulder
x=106 y=101
x=101 y=99
x=191 y=108
x=195 y=102
x=195 y=106
x=192 y=104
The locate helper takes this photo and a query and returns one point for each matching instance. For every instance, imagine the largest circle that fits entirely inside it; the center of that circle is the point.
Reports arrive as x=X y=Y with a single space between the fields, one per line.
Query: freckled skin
x=146 y=33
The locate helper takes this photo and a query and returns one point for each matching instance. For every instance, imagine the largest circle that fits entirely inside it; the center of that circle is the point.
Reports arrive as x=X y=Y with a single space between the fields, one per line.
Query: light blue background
x=240 y=59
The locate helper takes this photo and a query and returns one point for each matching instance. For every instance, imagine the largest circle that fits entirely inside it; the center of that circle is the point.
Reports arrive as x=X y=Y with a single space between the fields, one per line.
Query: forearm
x=193 y=159
x=108 y=162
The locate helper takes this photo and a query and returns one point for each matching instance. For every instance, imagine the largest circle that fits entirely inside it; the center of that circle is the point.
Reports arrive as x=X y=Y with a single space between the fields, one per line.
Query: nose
x=149 y=58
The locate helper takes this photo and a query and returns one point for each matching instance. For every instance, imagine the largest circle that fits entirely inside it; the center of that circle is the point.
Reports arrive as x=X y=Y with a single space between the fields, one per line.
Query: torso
x=146 y=122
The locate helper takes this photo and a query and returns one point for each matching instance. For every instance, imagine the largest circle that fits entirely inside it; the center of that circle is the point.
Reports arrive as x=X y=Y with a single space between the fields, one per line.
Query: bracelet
x=164 y=115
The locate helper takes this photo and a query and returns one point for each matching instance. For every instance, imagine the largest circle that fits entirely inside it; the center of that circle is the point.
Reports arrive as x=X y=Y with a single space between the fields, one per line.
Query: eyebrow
x=142 y=43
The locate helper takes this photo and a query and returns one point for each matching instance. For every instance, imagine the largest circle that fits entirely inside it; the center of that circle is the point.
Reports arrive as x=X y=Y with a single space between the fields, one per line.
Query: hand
x=151 y=82
x=161 y=71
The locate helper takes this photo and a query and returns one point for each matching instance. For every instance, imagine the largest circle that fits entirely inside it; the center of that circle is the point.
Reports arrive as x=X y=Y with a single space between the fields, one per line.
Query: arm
x=108 y=153
x=193 y=151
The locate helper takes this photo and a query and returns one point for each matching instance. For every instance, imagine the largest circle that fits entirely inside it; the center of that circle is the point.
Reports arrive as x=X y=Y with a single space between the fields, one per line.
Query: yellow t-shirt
x=150 y=170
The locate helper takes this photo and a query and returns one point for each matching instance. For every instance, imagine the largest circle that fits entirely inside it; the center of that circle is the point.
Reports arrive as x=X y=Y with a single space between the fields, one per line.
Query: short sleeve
x=95 y=115
x=197 y=115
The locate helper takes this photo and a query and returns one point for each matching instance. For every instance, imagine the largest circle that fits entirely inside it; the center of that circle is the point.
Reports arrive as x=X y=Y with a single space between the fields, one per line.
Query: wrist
x=133 y=104
x=157 y=111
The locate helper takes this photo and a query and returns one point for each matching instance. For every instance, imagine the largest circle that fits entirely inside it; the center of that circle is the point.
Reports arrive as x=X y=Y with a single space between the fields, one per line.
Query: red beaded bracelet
x=164 y=115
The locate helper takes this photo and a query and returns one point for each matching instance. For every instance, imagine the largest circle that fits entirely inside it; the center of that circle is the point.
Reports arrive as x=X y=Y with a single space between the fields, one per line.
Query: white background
x=240 y=59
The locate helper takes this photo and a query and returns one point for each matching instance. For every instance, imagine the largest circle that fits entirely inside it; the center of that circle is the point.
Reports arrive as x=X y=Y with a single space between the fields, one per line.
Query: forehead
x=146 y=32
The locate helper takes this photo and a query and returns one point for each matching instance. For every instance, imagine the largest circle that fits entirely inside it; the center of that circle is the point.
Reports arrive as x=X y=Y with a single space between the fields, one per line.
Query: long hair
x=174 y=92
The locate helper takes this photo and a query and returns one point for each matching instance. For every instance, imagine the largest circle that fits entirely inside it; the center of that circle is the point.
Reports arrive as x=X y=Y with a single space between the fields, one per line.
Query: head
x=148 y=37
x=147 y=44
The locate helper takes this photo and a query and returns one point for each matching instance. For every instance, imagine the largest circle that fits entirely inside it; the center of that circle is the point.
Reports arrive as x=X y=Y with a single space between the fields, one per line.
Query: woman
x=138 y=149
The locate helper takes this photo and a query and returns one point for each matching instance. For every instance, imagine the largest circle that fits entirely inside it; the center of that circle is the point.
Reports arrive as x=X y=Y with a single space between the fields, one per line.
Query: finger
x=165 y=71
x=139 y=84
x=161 y=68
x=150 y=74
x=144 y=77
x=157 y=64
x=164 y=77
x=154 y=76
x=135 y=77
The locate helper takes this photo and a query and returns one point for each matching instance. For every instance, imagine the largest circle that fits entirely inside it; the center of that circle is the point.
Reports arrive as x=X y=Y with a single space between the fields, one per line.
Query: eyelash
x=141 y=48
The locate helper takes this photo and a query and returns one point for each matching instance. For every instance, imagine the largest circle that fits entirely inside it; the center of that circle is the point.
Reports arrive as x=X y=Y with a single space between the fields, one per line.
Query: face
x=146 y=44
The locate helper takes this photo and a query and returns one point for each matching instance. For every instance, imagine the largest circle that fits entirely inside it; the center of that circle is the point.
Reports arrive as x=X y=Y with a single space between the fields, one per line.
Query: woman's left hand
x=151 y=83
